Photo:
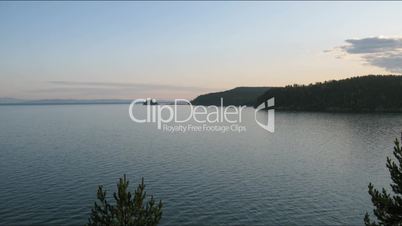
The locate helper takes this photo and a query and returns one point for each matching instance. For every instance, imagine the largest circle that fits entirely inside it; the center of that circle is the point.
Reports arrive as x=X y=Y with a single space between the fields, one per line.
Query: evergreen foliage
x=238 y=96
x=388 y=207
x=128 y=210
x=372 y=93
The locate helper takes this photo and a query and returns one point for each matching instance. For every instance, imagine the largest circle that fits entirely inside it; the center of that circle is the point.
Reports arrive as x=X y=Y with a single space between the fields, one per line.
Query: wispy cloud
x=372 y=45
x=140 y=86
x=75 y=89
x=381 y=52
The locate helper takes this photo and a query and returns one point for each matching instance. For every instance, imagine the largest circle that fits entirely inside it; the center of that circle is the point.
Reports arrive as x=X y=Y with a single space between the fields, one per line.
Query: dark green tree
x=387 y=207
x=128 y=210
x=371 y=93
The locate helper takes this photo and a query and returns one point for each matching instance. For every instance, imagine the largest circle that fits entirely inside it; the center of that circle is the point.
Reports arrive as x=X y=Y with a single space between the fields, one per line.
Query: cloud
x=114 y=90
x=381 y=52
x=372 y=45
x=391 y=62
x=136 y=86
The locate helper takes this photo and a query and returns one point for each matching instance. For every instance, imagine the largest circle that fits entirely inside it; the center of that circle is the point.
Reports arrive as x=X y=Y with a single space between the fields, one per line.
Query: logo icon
x=267 y=105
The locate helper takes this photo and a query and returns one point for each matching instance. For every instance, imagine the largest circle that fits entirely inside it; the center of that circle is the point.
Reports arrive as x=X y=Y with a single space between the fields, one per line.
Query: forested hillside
x=372 y=93
x=237 y=96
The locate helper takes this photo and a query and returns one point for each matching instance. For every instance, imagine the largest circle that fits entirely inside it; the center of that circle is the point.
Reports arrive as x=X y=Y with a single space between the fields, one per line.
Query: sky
x=126 y=50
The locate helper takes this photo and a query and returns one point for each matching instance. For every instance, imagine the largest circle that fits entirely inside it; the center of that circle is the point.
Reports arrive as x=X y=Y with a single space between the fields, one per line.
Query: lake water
x=313 y=170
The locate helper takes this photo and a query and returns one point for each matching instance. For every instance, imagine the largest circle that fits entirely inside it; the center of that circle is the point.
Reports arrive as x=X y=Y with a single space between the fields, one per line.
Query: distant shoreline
x=282 y=110
x=78 y=103
x=39 y=104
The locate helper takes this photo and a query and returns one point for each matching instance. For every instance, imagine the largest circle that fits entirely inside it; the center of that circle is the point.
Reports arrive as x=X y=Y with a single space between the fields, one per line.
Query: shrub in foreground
x=127 y=210
x=387 y=207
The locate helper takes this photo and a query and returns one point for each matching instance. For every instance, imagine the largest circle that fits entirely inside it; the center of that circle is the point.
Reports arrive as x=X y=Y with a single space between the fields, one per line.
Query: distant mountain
x=237 y=96
x=5 y=100
x=372 y=93
x=13 y=101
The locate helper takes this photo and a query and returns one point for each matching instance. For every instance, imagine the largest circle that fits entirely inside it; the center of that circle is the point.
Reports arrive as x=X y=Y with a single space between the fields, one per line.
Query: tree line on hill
x=372 y=93
x=238 y=96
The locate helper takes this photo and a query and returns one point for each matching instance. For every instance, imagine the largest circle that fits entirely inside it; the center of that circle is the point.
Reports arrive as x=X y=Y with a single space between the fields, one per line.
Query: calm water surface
x=313 y=170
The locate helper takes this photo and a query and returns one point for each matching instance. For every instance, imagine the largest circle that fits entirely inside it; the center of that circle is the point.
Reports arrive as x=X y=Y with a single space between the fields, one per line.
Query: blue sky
x=182 y=49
